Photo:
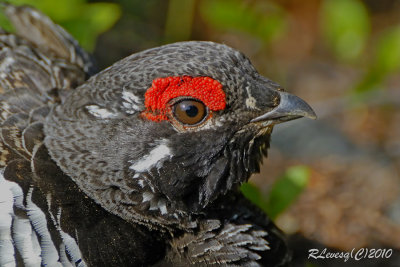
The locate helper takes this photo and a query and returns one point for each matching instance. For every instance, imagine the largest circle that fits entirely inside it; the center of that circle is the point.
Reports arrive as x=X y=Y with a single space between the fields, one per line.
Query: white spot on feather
x=69 y=245
x=99 y=112
x=155 y=204
x=7 y=62
x=26 y=241
x=162 y=206
x=24 y=237
x=63 y=257
x=36 y=14
x=251 y=101
x=156 y=157
x=72 y=248
x=4 y=106
x=7 y=257
x=147 y=196
x=131 y=102
x=38 y=219
x=141 y=183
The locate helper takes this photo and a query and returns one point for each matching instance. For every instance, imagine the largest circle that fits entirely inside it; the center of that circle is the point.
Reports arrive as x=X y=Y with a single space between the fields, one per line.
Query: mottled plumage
x=88 y=179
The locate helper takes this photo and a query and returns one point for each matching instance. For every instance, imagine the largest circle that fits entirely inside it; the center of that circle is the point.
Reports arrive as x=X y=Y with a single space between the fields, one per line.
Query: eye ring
x=189 y=112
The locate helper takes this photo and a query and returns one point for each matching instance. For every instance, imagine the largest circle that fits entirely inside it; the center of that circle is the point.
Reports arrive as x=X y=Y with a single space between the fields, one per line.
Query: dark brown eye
x=189 y=112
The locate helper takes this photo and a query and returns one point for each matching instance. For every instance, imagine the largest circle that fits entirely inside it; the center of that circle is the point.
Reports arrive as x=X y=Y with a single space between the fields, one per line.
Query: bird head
x=163 y=133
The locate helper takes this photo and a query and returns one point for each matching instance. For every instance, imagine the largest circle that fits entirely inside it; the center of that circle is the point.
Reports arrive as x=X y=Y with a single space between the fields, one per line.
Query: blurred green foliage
x=262 y=19
x=283 y=192
x=386 y=61
x=85 y=21
x=179 y=20
x=387 y=58
x=345 y=28
x=4 y=23
x=345 y=25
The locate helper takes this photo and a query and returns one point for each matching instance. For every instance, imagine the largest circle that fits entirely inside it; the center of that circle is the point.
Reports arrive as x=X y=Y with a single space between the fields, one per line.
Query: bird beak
x=290 y=107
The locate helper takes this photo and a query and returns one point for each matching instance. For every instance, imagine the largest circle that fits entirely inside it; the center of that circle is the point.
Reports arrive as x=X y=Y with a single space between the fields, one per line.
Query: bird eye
x=189 y=112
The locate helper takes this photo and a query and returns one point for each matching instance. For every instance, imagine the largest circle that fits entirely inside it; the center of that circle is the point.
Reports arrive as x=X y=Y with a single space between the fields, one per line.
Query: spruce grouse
x=138 y=165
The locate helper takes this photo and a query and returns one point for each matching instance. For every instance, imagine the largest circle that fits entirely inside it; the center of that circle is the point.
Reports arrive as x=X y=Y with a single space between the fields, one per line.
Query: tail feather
x=34 y=26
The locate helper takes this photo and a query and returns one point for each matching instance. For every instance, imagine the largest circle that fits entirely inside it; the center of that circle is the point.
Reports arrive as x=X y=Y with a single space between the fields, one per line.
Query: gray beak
x=290 y=107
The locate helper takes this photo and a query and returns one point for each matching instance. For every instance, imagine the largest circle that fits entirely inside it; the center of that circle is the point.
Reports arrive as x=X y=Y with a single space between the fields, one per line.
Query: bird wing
x=36 y=64
x=234 y=233
x=219 y=244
